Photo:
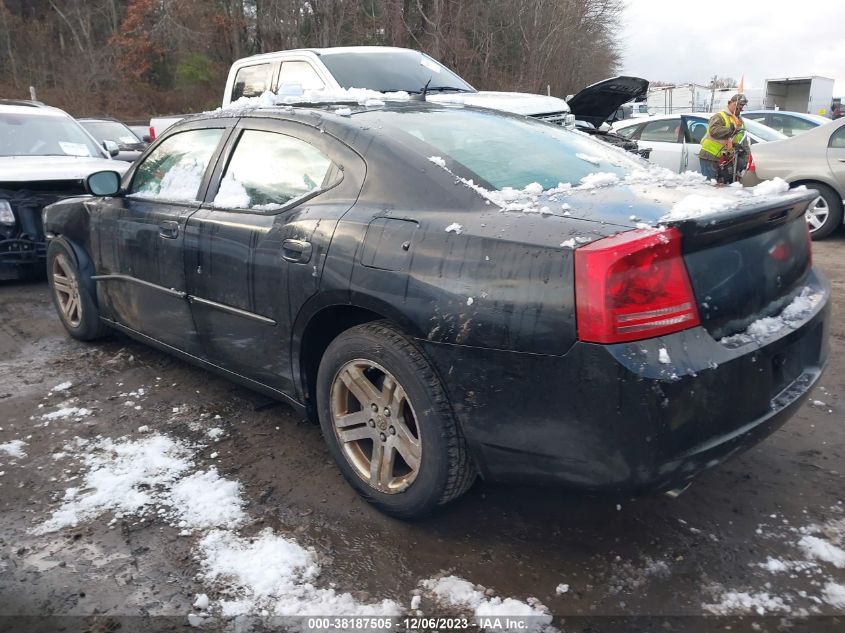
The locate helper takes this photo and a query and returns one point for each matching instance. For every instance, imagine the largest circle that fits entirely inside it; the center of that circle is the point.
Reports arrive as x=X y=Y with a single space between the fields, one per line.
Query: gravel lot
x=757 y=544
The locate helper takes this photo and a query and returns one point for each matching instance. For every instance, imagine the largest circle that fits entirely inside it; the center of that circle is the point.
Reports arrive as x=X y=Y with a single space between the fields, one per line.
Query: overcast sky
x=678 y=40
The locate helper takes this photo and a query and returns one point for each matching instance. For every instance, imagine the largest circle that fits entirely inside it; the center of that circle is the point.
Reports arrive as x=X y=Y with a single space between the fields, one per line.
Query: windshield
x=44 y=135
x=392 y=71
x=110 y=131
x=763 y=132
x=505 y=151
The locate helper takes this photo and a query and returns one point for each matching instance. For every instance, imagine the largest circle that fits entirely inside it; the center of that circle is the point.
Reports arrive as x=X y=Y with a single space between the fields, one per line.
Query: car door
x=256 y=246
x=664 y=138
x=695 y=129
x=836 y=157
x=140 y=267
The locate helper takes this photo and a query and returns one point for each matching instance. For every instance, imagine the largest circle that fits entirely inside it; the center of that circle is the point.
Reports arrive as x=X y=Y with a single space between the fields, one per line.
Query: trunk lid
x=747 y=250
x=748 y=263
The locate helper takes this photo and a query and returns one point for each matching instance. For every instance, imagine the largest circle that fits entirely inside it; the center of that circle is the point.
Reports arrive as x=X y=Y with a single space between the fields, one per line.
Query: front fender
x=71 y=218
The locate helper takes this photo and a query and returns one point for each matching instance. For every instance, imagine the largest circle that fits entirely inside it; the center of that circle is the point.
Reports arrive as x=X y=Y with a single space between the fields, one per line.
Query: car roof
x=30 y=108
x=85 y=119
x=340 y=115
x=332 y=50
x=352 y=103
x=806 y=116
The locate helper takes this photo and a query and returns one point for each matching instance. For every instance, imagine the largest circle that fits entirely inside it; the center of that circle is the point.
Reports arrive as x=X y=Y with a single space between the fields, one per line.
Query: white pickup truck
x=380 y=68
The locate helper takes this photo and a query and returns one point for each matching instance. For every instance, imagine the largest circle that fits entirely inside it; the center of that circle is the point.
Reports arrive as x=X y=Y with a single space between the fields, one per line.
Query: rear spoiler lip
x=746 y=220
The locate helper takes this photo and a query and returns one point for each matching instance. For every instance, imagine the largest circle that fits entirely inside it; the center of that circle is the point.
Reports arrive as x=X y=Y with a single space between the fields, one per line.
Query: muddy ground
x=728 y=545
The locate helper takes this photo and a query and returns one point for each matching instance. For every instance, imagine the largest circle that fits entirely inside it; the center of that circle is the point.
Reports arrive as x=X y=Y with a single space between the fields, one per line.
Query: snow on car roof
x=336 y=50
x=361 y=96
x=33 y=111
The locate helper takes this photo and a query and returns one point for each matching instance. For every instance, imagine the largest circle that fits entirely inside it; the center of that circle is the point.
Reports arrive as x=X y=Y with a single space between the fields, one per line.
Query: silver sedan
x=816 y=159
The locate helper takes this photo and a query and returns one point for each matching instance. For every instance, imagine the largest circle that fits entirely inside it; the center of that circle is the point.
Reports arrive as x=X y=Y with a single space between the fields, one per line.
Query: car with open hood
x=44 y=155
x=453 y=291
x=601 y=103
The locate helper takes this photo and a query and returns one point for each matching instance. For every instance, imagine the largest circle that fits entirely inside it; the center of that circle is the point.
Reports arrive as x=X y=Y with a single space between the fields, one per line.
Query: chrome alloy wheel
x=817 y=214
x=67 y=291
x=375 y=426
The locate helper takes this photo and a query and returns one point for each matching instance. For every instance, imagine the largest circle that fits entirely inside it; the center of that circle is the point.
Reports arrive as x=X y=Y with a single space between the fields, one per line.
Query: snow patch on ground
x=271 y=572
x=215 y=433
x=62 y=387
x=822 y=550
x=205 y=500
x=14 y=448
x=834 y=595
x=152 y=477
x=124 y=477
x=453 y=591
x=741 y=602
x=77 y=413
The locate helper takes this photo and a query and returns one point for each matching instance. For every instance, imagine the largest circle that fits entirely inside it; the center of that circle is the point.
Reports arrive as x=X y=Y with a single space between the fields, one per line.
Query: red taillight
x=152 y=134
x=633 y=286
x=752 y=168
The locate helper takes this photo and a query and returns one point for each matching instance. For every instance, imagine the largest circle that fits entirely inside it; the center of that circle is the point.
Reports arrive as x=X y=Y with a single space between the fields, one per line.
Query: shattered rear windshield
x=509 y=151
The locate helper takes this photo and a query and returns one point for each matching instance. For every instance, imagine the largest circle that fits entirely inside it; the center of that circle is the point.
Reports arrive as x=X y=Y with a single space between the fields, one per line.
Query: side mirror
x=146 y=138
x=112 y=148
x=103 y=183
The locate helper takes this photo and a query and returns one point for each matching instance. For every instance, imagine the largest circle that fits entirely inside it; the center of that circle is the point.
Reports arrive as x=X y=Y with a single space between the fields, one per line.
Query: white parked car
x=45 y=155
x=675 y=139
x=789 y=123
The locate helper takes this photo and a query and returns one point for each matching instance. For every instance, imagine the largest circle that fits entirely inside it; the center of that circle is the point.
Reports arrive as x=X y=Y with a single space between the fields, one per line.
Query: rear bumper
x=612 y=417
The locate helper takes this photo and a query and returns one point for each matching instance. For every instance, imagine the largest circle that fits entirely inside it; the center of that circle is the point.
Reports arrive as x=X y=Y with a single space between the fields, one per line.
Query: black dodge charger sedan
x=455 y=291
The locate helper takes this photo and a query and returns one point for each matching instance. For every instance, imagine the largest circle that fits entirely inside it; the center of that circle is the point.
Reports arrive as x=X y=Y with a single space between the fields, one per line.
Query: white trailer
x=811 y=95
x=682 y=98
x=756 y=98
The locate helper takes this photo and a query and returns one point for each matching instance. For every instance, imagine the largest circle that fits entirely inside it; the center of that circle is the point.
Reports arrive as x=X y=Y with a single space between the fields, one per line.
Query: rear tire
x=388 y=424
x=825 y=213
x=72 y=297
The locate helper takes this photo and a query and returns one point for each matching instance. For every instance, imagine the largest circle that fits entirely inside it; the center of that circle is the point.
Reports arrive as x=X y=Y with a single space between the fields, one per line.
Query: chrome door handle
x=168 y=229
x=296 y=251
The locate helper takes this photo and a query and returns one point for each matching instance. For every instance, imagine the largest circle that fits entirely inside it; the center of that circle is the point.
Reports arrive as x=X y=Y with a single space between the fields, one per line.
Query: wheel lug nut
x=392 y=431
x=387 y=412
x=374 y=407
x=383 y=437
x=371 y=422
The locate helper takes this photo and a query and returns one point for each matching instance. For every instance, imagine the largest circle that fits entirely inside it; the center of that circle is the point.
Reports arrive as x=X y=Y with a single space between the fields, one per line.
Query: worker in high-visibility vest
x=726 y=148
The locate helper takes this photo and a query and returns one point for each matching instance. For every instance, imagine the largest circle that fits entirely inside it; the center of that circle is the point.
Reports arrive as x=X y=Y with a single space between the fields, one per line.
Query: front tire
x=72 y=298
x=388 y=424
x=824 y=215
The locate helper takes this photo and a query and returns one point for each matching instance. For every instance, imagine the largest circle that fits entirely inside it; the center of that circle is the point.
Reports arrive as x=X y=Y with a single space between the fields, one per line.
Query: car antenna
x=423 y=92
